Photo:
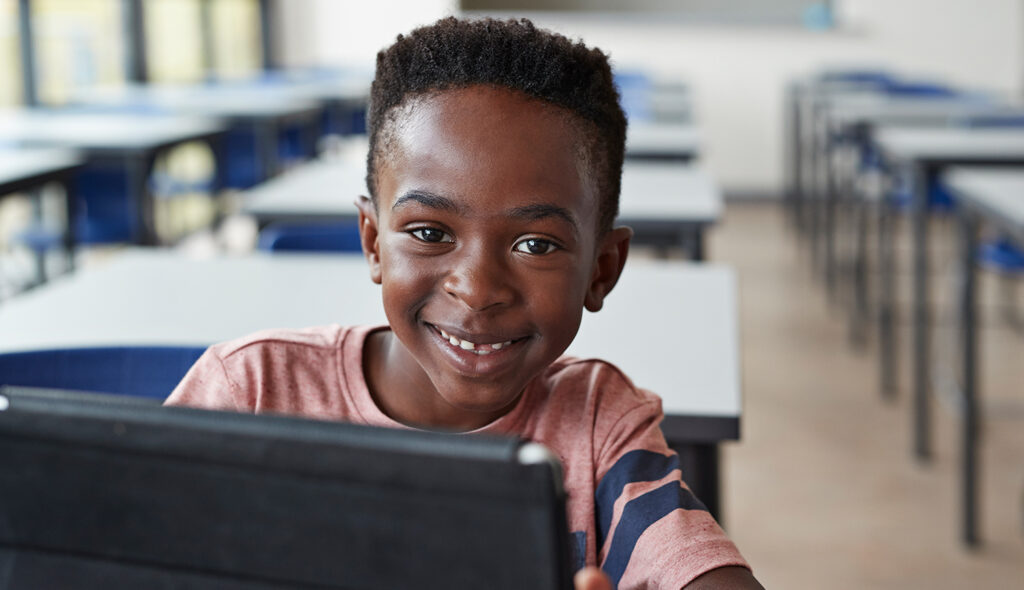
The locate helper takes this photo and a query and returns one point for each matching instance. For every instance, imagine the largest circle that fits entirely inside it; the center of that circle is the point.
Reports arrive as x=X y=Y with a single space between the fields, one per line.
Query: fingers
x=591 y=578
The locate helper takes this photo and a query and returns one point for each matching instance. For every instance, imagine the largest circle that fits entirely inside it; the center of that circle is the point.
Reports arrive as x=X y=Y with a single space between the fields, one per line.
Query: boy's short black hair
x=514 y=54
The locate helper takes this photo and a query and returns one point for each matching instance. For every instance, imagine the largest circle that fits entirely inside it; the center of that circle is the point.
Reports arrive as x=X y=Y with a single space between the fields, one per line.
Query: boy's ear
x=368 y=236
x=611 y=257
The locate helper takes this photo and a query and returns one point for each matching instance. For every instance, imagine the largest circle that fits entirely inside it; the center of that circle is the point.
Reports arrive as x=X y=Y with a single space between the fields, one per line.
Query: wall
x=738 y=73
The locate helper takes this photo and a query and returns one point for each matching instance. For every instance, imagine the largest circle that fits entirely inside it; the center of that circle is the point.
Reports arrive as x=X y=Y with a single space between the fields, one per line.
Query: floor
x=822 y=491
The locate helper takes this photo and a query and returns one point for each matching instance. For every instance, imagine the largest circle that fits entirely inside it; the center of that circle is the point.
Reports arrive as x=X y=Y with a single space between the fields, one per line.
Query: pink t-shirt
x=629 y=510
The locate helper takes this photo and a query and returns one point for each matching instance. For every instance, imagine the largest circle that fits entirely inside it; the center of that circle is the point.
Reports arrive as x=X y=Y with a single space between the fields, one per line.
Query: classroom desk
x=161 y=298
x=24 y=169
x=924 y=152
x=666 y=204
x=266 y=112
x=131 y=141
x=995 y=198
x=804 y=100
x=657 y=140
x=850 y=119
x=671 y=101
x=343 y=96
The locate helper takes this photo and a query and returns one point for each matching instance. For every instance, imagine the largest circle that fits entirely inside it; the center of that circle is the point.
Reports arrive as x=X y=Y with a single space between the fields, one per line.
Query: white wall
x=738 y=73
x=350 y=32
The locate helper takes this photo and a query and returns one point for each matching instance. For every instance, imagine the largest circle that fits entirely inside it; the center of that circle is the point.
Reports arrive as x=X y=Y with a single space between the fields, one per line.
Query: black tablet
x=114 y=492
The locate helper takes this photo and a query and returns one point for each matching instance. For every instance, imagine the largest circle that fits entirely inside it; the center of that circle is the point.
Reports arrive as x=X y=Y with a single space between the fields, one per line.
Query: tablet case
x=103 y=491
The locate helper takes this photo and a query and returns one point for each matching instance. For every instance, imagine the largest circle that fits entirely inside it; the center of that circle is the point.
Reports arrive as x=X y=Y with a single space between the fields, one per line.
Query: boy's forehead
x=495 y=126
x=493 y=107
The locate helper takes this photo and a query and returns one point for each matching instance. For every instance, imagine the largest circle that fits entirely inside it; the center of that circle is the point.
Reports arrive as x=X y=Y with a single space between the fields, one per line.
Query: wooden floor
x=822 y=491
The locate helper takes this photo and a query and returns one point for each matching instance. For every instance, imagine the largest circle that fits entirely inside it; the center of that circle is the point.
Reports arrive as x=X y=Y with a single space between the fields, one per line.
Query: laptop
x=106 y=491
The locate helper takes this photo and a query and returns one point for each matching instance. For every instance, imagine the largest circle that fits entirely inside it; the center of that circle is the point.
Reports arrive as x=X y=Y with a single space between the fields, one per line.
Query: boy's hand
x=591 y=578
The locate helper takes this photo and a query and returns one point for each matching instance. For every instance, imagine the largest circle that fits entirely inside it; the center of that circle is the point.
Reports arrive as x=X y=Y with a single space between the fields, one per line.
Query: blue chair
x=310 y=237
x=1001 y=256
x=867 y=78
x=995 y=121
x=920 y=90
x=145 y=371
x=635 y=91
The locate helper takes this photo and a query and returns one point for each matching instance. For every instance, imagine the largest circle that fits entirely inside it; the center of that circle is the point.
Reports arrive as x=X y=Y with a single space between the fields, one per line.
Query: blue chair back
x=635 y=91
x=106 y=211
x=868 y=78
x=1001 y=255
x=311 y=237
x=995 y=121
x=144 y=371
x=921 y=90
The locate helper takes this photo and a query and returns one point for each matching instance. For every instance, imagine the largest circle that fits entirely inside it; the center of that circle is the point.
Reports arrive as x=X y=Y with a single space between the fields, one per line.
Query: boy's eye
x=429 y=234
x=535 y=246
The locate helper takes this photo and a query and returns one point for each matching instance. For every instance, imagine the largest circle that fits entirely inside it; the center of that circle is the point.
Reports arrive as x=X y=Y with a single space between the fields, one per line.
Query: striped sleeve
x=652 y=532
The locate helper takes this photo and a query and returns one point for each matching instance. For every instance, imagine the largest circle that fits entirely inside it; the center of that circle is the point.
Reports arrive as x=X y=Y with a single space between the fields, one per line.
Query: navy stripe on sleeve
x=578 y=544
x=634 y=466
x=637 y=515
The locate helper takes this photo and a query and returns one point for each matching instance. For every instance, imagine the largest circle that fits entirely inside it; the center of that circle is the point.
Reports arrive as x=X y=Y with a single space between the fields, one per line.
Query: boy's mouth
x=477 y=348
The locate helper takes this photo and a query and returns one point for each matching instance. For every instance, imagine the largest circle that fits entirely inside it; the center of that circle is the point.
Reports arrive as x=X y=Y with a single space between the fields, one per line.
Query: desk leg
x=887 y=303
x=71 y=210
x=831 y=205
x=139 y=167
x=700 y=467
x=922 y=405
x=793 y=106
x=814 y=195
x=859 y=273
x=268 y=134
x=696 y=244
x=969 y=419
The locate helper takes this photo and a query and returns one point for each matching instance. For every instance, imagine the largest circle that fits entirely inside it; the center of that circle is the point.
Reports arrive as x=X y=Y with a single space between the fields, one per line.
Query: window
x=235 y=29
x=10 y=54
x=174 y=40
x=78 y=44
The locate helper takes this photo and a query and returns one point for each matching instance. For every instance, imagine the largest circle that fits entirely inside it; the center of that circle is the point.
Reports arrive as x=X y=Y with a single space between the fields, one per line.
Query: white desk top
x=665 y=191
x=352 y=85
x=59 y=128
x=206 y=100
x=662 y=138
x=18 y=164
x=687 y=351
x=951 y=143
x=998 y=192
x=876 y=108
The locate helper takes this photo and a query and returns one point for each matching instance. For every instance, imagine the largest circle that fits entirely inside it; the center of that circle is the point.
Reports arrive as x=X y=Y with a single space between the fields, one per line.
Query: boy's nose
x=480 y=283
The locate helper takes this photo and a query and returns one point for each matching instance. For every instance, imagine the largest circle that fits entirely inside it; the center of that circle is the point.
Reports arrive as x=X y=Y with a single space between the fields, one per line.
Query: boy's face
x=485 y=240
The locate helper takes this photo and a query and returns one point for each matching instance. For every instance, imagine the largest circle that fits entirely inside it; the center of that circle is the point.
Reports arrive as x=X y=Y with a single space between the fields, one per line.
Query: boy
x=495 y=156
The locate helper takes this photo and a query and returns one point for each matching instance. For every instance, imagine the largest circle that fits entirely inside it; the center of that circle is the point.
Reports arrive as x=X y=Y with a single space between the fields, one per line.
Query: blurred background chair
x=310 y=237
x=144 y=371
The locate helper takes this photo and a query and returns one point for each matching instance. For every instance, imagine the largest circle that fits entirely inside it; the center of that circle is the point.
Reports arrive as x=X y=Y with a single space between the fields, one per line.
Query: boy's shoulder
x=264 y=341
x=594 y=383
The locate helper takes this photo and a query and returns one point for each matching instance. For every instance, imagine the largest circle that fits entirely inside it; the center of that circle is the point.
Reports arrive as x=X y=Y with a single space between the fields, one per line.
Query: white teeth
x=467 y=345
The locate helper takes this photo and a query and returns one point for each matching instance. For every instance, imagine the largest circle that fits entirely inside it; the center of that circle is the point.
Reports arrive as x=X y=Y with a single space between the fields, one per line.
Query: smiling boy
x=495 y=156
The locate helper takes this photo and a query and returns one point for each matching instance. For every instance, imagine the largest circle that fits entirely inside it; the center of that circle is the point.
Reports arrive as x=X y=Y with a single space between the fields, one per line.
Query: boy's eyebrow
x=542 y=210
x=429 y=199
x=531 y=212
